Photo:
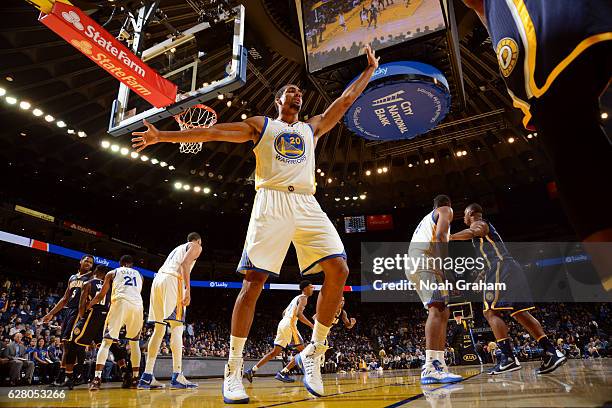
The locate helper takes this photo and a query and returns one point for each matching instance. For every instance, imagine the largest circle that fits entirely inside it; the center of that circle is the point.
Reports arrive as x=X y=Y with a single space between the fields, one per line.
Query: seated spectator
x=18 y=361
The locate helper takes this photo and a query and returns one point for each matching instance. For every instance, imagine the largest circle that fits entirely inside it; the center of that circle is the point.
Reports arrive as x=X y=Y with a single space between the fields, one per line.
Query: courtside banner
x=74 y=26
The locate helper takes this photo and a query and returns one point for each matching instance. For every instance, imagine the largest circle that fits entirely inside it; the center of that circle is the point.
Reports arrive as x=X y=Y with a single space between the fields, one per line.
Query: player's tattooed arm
x=108 y=281
x=62 y=302
x=83 y=300
x=476 y=230
x=300 y=313
x=234 y=132
x=325 y=122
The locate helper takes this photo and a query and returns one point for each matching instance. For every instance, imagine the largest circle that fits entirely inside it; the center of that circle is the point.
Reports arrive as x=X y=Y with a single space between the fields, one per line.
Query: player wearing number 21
x=125 y=310
x=284 y=212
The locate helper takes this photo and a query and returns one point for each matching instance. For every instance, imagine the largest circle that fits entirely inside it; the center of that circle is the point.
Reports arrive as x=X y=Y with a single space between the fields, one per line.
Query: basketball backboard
x=205 y=60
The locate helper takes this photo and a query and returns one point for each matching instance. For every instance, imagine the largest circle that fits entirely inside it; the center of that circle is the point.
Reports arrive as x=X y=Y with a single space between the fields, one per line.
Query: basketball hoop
x=197 y=116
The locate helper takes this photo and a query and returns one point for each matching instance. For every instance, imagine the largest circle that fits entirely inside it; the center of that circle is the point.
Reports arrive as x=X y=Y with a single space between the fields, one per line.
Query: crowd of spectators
x=383 y=338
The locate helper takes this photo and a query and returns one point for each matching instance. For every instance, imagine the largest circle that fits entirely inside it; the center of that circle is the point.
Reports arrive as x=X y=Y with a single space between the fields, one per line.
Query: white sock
x=153 y=348
x=319 y=333
x=236 y=348
x=176 y=346
x=430 y=355
x=103 y=352
x=98 y=374
x=440 y=357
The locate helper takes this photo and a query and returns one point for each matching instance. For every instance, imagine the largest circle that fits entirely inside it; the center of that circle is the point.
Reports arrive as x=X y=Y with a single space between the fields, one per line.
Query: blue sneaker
x=436 y=373
x=284 y=377
x=551 y=362
x=148 y=382
x=249 y=374
x=506 y=365
x=178 y=381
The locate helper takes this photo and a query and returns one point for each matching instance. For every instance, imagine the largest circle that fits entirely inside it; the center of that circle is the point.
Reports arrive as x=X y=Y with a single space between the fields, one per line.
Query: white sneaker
x=436 y=373
x=157 y=384
x=309 y=361
x=233 y=390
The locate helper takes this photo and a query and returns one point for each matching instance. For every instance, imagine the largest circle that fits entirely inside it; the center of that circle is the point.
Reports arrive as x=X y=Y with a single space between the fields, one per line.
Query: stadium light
x=178 y=185
x=49 y=118
x=105 y=144
x=11 y=100
x=115 y=148
x=25 y=105
x=37 y=112
x=206 y=190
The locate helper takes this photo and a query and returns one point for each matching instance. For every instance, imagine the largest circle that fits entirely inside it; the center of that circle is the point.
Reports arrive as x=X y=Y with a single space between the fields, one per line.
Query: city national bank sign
x=403 y=99
x=74 y=26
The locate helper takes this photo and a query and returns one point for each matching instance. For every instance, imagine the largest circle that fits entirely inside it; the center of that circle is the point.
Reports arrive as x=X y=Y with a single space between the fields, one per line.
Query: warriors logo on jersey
x=507 y=54
x=290 y=148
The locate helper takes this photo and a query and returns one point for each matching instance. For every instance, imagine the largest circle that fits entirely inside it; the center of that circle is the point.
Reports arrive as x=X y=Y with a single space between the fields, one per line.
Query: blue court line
x=417 y=396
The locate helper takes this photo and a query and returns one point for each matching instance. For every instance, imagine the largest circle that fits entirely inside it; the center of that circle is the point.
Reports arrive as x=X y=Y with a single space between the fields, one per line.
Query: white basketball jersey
x=176 y=257
x=285 y=157
x=127 y=285
x=426 y=230
x=291 y=311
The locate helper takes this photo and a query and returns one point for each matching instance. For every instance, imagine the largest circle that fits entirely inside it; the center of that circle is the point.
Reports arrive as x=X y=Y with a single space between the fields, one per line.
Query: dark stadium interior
x=77 y=181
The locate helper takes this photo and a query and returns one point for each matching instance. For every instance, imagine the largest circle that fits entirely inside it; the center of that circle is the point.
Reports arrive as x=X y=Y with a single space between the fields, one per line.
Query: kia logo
x=469 y=357
x=73 y=18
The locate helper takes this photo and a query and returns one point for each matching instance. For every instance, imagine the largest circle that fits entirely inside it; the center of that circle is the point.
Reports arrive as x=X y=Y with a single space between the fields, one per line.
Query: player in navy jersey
x=501 y=267
x=556 y=60
x=69 y=305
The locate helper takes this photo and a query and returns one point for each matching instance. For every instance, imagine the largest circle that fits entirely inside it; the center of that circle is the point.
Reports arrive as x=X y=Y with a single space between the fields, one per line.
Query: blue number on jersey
x=130 y=281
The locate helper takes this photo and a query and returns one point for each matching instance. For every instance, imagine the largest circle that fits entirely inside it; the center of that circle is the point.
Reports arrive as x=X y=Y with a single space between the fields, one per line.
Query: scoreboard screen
x=354 y=224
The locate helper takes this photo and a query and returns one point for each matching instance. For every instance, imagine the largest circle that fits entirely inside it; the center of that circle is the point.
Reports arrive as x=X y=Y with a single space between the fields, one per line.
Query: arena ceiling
x=39 y=67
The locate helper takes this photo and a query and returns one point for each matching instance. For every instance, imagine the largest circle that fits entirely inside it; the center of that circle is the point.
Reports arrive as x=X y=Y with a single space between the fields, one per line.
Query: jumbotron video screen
x=337 y=30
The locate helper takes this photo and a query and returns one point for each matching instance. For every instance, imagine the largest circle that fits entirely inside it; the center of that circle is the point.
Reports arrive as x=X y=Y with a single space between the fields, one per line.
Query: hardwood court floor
x=577 y=384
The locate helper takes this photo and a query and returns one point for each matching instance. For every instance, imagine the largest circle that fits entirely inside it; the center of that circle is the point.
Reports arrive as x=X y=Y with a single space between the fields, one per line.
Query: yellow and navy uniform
x=71 y=310
x=536 y=40
x=90 y=328
x=501 y=267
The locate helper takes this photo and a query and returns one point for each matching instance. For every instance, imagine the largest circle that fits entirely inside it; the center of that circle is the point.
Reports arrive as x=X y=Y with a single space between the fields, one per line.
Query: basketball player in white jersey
x=427 y=252
x=284 y=212
x=170 y=296
x=126 y=310
x=287 y=332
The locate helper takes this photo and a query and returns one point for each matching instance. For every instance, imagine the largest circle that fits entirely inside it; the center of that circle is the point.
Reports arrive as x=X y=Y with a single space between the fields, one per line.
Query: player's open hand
x=372 y=59
x=47 y=318
x=146 y=138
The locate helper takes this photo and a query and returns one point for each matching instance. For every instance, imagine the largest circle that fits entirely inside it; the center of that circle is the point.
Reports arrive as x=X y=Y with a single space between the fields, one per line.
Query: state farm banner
x=76 y=27
x=74 y=226
x=379 y=222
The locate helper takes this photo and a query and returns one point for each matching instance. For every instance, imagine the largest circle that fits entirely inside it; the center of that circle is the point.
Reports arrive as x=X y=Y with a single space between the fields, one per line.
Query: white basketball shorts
x=280 y=218
x=164 y=303
x=123 y=313
x=287 y=334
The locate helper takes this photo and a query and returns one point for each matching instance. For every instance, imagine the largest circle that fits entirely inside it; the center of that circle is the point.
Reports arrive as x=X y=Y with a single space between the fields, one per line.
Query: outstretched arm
x=348 y=323
x=327 y=120
x=235 y=132
x=108 y=280
x=62 y=302
x=477 y=229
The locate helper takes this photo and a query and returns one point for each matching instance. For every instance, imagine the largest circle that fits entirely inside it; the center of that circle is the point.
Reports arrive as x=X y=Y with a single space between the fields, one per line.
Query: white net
x=197 y=116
